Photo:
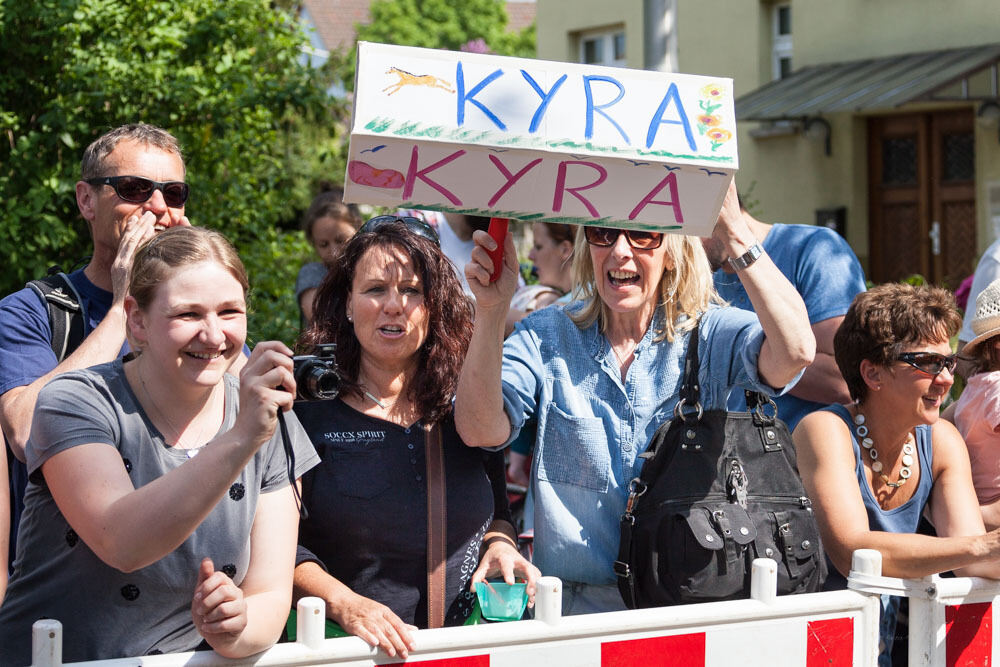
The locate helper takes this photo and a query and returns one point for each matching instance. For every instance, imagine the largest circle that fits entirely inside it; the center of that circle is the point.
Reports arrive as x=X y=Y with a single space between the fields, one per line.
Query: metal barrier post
x=548 y=600
x=927 y=627
x=764 y=580
x=46 y=643
x=310 y=622
x=867 y=562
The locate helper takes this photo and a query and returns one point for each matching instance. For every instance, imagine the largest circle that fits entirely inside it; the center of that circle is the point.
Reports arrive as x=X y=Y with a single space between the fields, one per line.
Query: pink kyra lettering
x=674 y=202
x=511 y=178
x=412 y=174
x=557 y=198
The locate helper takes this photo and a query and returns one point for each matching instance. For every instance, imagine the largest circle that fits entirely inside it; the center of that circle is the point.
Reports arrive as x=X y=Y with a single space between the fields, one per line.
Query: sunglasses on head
x=138 y=190
x=930 y=363
x=415 y=225
x=608 y=236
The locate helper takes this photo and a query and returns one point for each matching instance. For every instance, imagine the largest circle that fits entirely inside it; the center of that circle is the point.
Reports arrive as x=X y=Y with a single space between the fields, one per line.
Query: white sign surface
x=540 y=141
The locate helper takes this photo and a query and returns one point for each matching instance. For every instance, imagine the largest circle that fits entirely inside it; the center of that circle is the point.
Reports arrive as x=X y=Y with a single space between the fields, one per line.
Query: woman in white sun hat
x=977 y=412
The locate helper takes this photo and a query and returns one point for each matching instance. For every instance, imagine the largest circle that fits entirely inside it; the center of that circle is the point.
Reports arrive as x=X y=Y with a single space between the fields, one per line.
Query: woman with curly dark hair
x=401 y=322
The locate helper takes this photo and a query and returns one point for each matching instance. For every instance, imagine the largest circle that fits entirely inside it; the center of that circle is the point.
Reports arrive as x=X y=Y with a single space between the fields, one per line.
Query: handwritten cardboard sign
x=540 y=141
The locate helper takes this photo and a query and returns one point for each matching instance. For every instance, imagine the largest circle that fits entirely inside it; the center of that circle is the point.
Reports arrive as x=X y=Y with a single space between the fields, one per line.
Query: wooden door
x=922 y=217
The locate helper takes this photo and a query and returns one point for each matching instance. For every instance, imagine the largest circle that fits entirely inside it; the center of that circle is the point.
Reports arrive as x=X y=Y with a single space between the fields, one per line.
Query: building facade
x=877 y=117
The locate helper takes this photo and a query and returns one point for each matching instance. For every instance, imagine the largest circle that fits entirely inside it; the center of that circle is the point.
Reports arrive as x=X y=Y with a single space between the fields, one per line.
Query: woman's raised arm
x=789 y=343
x=479 y=413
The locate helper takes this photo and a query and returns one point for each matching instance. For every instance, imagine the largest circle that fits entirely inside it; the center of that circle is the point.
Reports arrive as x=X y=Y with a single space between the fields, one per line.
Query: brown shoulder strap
x=436 y=521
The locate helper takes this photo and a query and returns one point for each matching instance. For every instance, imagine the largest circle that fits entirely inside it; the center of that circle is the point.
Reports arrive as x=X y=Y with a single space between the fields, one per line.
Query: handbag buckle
x=636 y=487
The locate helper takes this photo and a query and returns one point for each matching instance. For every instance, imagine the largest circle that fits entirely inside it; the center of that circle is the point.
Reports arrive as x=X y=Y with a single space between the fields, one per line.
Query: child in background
x=977 y=411
x=328 y=224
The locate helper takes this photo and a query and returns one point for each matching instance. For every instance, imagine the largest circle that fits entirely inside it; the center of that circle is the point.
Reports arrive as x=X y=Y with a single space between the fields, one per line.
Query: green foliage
x=440 y=24
x=227 y=78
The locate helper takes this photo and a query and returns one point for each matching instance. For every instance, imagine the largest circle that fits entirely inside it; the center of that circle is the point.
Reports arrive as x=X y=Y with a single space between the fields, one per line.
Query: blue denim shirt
x=592 y=427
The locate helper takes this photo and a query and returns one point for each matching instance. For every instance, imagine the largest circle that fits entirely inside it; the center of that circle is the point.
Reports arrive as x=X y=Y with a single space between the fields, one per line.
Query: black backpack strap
x=62 y=302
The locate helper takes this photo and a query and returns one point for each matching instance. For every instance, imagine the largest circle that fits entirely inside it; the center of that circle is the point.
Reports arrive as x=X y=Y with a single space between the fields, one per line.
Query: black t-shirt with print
x=367 y=503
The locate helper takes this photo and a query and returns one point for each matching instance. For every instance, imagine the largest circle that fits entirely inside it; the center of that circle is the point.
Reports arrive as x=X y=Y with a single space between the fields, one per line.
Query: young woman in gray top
x=159 y=511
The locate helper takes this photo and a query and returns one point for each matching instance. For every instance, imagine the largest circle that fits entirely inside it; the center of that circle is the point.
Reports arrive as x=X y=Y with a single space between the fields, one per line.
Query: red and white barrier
x=838 y=628
x=951 y=619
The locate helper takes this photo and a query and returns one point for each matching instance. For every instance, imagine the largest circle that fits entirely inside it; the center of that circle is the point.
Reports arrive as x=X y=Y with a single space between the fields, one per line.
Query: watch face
x=748 y=258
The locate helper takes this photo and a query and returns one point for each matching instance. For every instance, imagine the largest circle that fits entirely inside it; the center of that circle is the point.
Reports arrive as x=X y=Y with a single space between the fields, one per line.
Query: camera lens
x=317 y=381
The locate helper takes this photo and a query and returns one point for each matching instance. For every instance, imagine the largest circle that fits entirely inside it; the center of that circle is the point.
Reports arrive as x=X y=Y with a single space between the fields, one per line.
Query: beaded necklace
x=861 y=429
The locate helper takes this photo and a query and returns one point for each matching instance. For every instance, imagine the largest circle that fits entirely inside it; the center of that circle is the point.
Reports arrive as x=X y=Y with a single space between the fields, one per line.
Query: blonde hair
x=687 y=289
x=176 y=247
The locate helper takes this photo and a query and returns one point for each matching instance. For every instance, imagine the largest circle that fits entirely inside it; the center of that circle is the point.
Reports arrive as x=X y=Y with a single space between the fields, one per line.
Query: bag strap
x=690 y=392
x=690 y=396
x=63 y=304
x=624 y=575
x=436 y=522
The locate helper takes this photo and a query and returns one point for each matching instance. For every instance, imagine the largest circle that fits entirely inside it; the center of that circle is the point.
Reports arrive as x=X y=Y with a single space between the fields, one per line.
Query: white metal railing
x=766 y=629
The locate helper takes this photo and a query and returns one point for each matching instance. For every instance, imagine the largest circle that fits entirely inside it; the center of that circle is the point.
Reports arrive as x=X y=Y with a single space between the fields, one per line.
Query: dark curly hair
x=881 y=321
x=449 y=311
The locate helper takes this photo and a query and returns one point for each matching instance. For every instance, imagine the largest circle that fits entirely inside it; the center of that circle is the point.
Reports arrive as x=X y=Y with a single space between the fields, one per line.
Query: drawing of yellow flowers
x=718 y=136
x=713 y=90
x=708 y=120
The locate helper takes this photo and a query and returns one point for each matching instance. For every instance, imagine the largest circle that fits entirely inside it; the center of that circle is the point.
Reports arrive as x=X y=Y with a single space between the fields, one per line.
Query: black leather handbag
x=717 y=490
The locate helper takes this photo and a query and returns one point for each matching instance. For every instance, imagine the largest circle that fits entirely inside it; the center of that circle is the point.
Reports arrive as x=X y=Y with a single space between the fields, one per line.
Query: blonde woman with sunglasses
x=874 y=467
x=603 y=373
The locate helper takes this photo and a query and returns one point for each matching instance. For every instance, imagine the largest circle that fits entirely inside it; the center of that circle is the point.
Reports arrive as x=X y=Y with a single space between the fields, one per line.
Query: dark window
x=958 y=157
x=899 y=161
x=785 y=20
x=784 y=67
x=619 y=40
x=592 y=52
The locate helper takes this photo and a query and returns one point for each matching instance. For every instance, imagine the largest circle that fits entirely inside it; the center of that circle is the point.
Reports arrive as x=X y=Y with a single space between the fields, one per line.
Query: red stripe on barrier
x=968 y=634
x=465 y=661
x=831 y=642
x=670 y=651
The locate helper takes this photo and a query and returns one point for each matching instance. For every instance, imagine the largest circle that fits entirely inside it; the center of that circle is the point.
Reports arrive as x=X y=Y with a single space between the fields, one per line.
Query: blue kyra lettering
x=536 y=119
x=591 y=107
x=671 y=101
x=470 y=96
x=657 y=120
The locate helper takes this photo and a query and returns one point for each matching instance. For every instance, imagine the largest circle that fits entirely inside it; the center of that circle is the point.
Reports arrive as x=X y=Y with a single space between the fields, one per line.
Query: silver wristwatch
x=747 y=258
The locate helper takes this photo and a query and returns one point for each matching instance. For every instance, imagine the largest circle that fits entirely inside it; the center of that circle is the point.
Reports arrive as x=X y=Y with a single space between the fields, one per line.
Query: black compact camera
x=316 y=376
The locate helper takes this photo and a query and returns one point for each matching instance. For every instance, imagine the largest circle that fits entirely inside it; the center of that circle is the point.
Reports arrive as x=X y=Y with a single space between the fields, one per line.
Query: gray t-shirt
x=106 y=613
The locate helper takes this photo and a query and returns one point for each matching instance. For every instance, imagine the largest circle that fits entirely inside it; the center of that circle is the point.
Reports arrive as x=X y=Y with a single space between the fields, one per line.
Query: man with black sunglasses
x=132 y=185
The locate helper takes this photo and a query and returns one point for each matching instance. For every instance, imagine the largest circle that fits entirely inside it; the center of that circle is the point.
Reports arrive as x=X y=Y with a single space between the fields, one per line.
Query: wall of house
x=788 y=176
x=827 y=31
x=559 y=25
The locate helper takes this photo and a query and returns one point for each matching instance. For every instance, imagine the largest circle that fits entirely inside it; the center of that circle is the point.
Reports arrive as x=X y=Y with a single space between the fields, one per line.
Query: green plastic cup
x=501 y=601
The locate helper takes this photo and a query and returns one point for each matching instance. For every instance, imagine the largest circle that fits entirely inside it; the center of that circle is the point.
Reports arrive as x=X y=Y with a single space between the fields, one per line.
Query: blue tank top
x=902 y=519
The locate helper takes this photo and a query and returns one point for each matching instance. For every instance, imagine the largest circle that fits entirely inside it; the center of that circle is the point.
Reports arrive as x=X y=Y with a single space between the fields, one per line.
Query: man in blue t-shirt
x=825 y=271
x=131 y=186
